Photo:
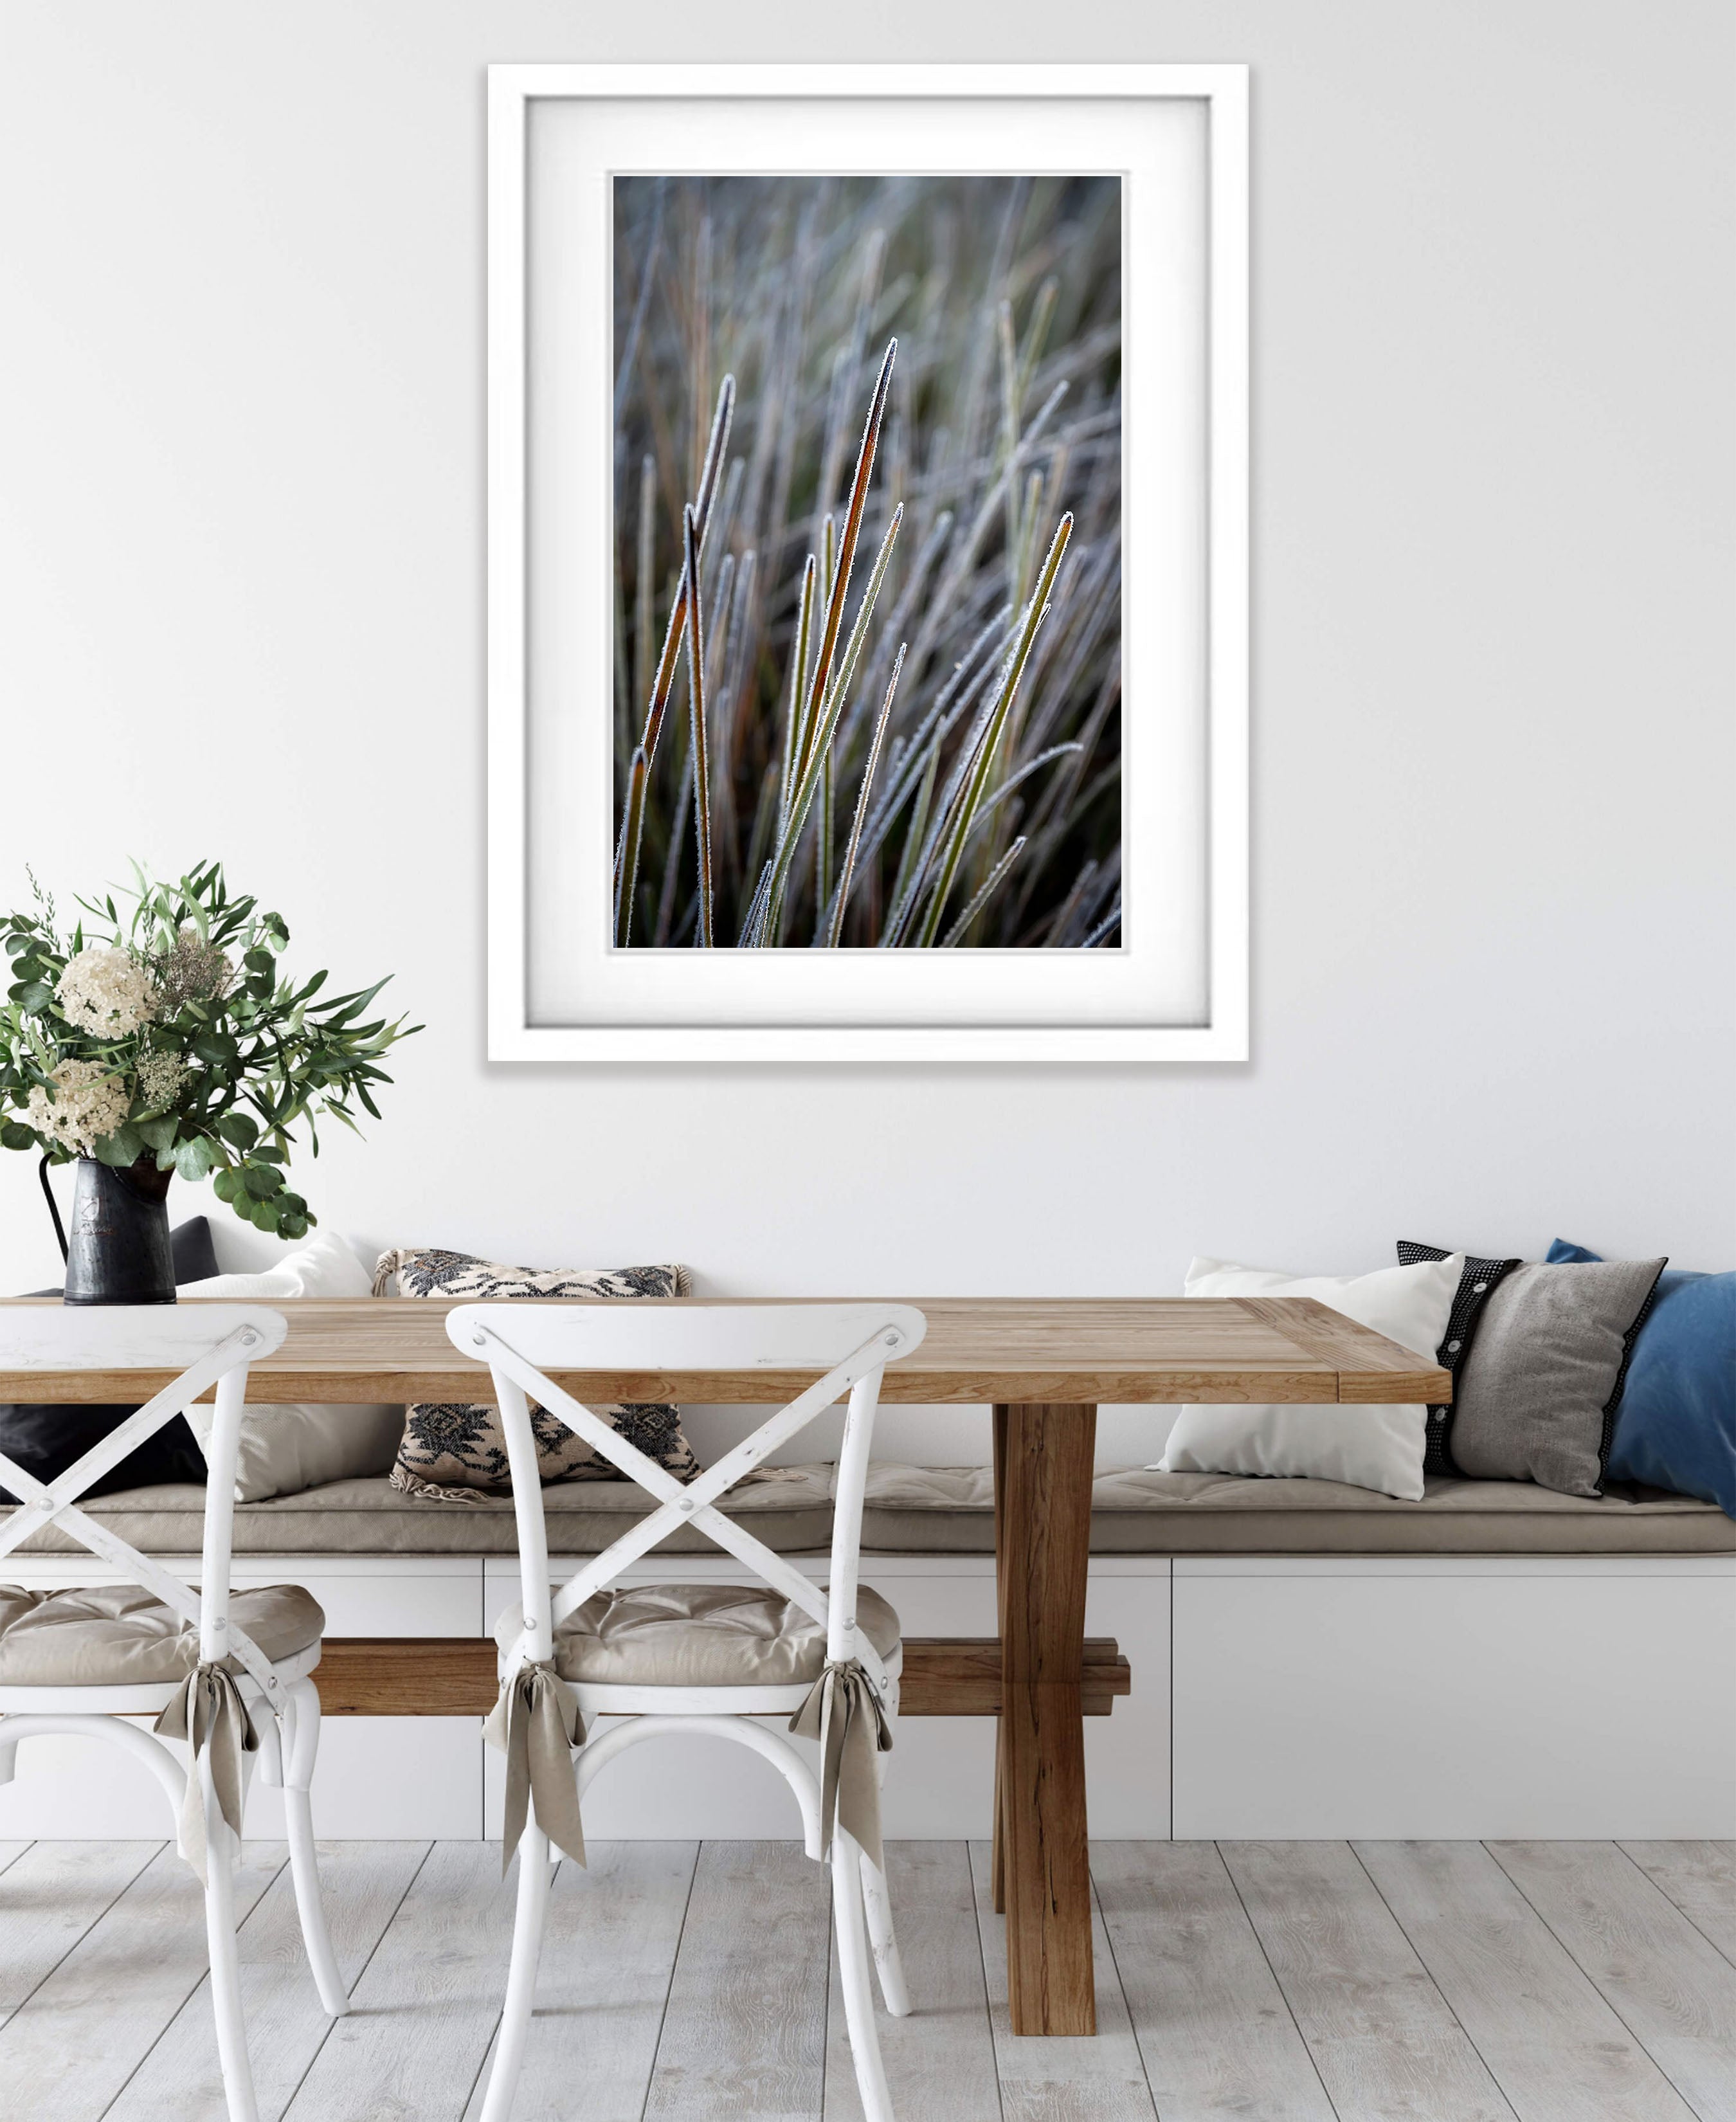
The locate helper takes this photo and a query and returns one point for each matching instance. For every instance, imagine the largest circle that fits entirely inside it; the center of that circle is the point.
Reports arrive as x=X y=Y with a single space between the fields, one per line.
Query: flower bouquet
x=167 y=1040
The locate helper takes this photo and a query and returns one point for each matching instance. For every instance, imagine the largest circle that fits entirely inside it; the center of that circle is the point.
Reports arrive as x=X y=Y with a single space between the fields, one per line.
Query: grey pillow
x=1537 y=1398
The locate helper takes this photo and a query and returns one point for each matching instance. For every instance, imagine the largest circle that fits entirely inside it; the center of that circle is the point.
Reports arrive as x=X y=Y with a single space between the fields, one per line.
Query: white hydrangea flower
x=106 y=991
x=89 y=1103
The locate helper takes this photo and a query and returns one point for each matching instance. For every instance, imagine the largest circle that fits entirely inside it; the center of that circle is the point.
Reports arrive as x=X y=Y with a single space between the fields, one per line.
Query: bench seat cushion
x=950 y=1509
x=931 y=1509
x=698 y=1635
x=368 y=1516
x=121 y=1635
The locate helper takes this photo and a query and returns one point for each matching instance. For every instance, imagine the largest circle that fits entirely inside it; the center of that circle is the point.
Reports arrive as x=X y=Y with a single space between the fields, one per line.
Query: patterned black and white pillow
x=456 y=1451
x=1475 y=1287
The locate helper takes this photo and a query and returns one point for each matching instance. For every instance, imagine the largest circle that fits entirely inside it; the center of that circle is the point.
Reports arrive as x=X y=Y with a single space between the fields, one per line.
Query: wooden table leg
x=1042 y=1539
x=997 y=1858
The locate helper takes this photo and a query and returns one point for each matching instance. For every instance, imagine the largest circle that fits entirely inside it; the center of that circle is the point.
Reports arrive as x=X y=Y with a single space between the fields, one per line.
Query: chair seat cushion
x=121 y=1635
x=698 y=1635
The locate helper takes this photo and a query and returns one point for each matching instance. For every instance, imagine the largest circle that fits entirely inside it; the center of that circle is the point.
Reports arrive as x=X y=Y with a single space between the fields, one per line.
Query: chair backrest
x=206 y=1345
x=641 y=1352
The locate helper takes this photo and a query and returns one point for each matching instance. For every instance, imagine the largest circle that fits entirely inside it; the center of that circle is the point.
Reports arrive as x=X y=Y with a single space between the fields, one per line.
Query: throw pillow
x=1378 y=1448
x=1538 y=1397
x=1479 y=1278
x=284 y=1450
x=1676 y=1427
x=45 y=1437
x=456 y=1452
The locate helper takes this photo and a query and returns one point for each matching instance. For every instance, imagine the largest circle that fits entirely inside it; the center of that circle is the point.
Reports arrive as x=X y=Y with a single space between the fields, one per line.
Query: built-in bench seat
x=950 y=1509
x=1307 y=1659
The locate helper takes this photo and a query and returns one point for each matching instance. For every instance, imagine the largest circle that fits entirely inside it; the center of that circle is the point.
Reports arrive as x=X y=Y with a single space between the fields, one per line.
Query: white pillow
x=1370 y=1448
x=286 y=1449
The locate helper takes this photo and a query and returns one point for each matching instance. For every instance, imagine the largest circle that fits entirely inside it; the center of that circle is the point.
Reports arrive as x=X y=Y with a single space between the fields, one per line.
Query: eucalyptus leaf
x=157 y=1133
x=195 y=1156
x=124 y=1146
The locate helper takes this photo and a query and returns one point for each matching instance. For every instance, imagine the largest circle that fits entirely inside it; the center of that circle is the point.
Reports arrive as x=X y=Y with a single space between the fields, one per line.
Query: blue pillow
x=1677 y=1425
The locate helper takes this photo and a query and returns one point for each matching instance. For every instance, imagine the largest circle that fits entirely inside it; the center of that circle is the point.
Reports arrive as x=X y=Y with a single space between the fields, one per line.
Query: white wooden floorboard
x=1101 y=2079
x=66 y=2052
x=1700 y=1877
x=1385 y=2040
x=608 y=1957
x=1673 y=1988
x=10 y=1851
x=50 y=1895
x=1587 y=1977
x=745 y=2032
x=425 y=2009
x=940 y=2058
x=180 y=2080
x=1554 y=2047
x=1217 y=2037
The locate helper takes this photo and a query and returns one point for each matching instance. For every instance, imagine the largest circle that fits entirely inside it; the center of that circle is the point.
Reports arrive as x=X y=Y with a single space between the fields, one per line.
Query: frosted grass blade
x=841 y=898
x=956 y=935
x=1034 y=616
x=701 y=748
x=634 y=826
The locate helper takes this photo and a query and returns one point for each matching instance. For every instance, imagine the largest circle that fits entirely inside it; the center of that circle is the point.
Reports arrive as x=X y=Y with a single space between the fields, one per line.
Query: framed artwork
x=868 y=562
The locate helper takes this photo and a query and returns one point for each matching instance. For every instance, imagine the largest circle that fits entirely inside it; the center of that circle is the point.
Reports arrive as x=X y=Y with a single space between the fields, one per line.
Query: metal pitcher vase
x=118 y=1247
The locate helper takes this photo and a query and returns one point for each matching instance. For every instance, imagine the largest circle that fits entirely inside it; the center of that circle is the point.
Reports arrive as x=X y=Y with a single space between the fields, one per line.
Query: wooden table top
x=1065 y=1350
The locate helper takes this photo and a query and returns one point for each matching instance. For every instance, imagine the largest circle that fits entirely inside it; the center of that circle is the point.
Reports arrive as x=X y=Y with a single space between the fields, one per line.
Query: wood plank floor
x=1283 y=1982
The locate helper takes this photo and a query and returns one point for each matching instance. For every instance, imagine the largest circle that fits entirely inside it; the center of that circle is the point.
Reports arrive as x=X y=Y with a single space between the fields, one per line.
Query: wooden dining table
x=1044 y=1366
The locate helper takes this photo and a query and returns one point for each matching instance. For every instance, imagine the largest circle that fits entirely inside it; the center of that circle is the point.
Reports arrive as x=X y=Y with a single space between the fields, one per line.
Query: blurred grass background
x=1002 y=415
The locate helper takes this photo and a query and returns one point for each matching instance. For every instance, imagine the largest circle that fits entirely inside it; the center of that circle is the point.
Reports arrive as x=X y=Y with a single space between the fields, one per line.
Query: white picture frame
x=856 y=1022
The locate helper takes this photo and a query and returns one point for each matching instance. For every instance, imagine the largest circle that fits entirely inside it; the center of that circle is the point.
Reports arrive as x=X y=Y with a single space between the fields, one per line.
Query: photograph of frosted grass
x=867 y=561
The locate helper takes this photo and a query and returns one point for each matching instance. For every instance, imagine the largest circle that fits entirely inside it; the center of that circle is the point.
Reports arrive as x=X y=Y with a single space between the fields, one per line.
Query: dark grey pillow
x=1537 y=1398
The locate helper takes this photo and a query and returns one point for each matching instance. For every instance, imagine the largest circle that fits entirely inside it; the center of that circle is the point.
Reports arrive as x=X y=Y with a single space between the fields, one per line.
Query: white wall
x=241 y=550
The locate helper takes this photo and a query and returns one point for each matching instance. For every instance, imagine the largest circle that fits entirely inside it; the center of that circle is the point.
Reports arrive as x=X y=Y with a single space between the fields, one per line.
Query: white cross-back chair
x=229 y=1671
x=709 y=1659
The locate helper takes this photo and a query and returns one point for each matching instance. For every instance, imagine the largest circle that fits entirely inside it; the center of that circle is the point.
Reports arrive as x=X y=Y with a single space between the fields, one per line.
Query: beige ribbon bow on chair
x=847 y=1717
x=209 y=1714
x=536 y=1724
